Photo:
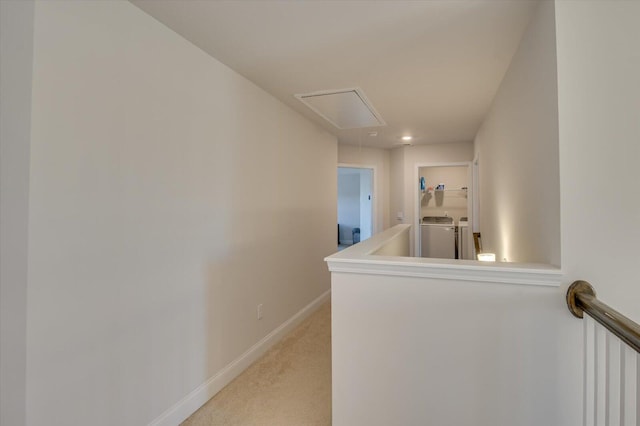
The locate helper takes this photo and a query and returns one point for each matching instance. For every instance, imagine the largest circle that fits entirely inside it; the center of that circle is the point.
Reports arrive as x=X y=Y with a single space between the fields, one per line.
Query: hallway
x=289 y=385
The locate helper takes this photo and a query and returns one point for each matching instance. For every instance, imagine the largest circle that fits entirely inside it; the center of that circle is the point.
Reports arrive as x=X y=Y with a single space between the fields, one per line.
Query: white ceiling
x=430 y=68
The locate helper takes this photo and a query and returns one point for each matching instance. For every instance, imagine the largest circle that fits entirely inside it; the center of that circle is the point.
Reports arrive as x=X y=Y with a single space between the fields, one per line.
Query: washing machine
x=438 y=237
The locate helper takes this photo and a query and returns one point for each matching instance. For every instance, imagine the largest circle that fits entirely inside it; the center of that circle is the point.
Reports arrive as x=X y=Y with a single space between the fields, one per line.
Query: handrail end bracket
x=577 y=287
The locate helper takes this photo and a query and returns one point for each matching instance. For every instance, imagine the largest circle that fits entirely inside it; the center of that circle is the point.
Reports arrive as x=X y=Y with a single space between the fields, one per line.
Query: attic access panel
x=345 y=109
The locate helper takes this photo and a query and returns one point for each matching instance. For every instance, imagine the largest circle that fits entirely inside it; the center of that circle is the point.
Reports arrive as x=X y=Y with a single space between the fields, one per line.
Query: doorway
x=444 y=211
x=355 y=205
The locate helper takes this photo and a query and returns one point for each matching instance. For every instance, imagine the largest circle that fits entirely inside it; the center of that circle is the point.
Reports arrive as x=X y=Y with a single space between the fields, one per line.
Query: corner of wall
x=16 y=62
x=518 y=148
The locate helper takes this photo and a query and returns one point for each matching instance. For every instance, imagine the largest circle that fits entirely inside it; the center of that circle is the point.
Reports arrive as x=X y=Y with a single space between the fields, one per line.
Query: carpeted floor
x=289 y=385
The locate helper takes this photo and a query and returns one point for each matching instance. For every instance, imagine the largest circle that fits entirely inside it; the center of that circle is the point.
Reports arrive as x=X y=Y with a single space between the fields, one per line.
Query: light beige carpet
x=289 y=385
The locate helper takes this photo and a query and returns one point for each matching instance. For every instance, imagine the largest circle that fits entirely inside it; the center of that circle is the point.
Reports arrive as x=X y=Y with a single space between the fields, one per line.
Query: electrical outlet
x=260 y=311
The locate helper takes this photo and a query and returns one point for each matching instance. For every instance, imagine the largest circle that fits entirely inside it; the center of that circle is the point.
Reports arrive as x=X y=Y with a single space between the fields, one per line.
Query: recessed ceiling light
x=407 y=138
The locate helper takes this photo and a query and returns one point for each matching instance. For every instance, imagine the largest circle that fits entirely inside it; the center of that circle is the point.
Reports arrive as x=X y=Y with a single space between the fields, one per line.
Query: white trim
x=519 y=275
x=198 y=397
x=475 y=200
x=359 y=260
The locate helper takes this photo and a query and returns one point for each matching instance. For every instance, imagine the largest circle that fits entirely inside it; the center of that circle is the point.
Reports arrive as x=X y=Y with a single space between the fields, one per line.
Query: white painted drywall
x=16 y=60
x=599 y=103
x=395 y=246
x=169 y=197
x=348 y=205
x=415 y=351
x=379 y=158
x=518 y=149
x=396 y=186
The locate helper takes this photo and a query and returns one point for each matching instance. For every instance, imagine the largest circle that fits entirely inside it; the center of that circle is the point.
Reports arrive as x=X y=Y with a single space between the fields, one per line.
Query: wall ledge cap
x=359 y=260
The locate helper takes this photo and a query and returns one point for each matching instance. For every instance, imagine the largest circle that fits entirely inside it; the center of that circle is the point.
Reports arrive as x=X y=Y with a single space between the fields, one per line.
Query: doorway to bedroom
x=355 y=205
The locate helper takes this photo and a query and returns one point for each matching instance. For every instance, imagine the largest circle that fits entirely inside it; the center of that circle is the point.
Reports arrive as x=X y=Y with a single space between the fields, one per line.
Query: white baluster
x=631 y=385
x=589 y=371
x=614 y=385
x=601 y=375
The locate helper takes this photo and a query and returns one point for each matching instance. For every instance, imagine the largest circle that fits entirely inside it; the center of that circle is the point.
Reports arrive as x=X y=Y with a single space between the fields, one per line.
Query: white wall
x=169 y=196
x=518 y=153
x=395 y=246
x=452 y=201
x=599 y=100
x=348 y=205
x=415 y=351
x=396 y=185
x=16 y=60
x=379 y=158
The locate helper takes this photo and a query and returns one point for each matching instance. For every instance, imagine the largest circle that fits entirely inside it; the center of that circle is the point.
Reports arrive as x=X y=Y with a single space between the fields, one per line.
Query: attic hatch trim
x=357 y=91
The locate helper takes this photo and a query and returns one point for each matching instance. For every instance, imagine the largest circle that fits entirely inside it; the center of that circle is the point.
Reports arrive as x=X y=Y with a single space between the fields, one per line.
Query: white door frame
x=374 y=210
x=416 y=197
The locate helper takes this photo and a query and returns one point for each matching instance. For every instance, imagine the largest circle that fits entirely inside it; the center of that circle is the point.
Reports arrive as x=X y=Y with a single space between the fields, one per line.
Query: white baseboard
x=197 y=398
